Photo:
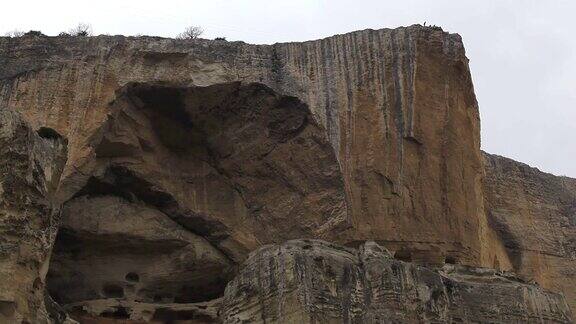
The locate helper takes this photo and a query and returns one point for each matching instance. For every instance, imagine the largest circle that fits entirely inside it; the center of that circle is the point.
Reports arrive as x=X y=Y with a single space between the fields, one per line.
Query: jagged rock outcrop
x=30 y=167
x=309 y=281
x=534 y=214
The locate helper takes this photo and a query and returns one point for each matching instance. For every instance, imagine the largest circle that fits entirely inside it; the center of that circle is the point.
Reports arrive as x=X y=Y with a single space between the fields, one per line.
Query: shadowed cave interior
x=176 y=170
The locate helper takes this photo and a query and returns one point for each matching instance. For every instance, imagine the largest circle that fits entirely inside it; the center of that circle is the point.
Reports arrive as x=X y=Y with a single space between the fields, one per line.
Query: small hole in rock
x=7 y=308
x=170 y=316
x=113 y=291
x=403 y=255
x=132 y=276
x=193 y=294
x=118 y=313
x=37 y=283
x=450 y=260
x=46 y=132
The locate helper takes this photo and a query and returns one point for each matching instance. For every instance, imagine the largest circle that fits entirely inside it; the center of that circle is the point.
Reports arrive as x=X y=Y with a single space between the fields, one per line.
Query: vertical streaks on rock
x=397 y=106
x=407 y=135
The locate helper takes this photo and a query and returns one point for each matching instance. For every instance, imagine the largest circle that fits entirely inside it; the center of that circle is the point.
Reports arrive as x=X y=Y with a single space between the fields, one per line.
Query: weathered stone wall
x=226 y=146
x=534 y=215
x=308 y=281
x=30 y=167
x=400 y=110
x=398 y=107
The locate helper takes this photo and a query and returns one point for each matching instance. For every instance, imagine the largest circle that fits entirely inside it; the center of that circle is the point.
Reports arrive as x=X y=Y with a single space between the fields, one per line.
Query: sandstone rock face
x=534 y=214
x=397 y=106
x=183 y=183
x=236 y=164
x=109 y=248
x=30 y=167
x=308 y=281
x=184 y=156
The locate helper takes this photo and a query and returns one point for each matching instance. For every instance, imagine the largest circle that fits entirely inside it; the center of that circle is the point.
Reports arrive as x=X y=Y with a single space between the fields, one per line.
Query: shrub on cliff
x=82 y=29
x=192 y=32
x=34 y=33
x=14 y=33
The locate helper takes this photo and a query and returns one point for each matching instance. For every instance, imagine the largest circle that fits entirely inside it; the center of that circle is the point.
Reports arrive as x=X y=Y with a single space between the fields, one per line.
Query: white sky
x=522 y=53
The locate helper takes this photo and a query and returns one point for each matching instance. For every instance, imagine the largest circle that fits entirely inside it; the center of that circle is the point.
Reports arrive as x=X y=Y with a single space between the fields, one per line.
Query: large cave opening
x=119 y=242
x=184 y=183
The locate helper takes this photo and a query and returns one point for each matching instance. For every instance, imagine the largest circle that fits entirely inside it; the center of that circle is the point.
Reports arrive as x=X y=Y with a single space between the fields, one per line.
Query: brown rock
x=182 y=184
x=30 y=167
x=186 y=155
x=397 y=105
x=534 y=215
x=110 y=248
x=309 y=281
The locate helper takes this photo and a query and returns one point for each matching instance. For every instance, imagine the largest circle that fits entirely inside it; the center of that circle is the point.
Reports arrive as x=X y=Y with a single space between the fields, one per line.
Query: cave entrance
x=117 y=243
x=185 y=182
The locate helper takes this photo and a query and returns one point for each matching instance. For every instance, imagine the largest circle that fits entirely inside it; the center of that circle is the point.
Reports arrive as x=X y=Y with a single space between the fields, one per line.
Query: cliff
x=534 y=214
x=397 y=105
x=30 y=167
x=316 y=282
x=184 y=156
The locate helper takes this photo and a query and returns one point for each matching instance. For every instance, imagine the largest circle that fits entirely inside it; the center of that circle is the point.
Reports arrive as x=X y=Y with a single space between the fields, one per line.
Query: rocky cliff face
x=397 y=106
x=183 y=156
x=30 y=167
x=534 y=214
x=317 y=282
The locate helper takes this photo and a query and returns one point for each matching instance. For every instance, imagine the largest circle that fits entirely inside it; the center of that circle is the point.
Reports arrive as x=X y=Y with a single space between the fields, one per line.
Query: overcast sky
x=522 y=53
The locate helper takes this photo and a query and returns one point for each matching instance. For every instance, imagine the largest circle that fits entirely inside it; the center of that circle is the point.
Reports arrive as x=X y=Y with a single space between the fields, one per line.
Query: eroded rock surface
x=309 y=281
x=186 y=155
x=183 y=183
x=109 y=248
x=30 y=167
x=534 y=214
x=396 y=105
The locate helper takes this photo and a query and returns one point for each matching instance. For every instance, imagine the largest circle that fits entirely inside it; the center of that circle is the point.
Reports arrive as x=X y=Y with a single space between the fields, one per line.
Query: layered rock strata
x=308 y=281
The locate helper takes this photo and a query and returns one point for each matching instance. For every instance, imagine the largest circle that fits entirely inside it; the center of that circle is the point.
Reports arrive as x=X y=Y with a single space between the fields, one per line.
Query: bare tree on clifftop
x=192 y=32
x=81 y=30
x=14 y=33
